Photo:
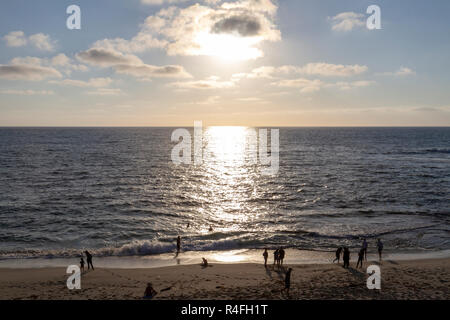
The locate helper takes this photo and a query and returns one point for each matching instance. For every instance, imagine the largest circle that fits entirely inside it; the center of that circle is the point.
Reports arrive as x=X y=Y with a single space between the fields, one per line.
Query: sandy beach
x=420 y=279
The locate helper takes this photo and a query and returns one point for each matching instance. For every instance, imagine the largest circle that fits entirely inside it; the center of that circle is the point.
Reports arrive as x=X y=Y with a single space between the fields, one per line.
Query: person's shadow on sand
x=281 y=273
x=269 y=273
x=86 y=271
x=356 y=273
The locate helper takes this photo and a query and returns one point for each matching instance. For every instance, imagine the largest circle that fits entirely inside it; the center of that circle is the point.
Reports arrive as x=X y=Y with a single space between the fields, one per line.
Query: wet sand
x=420 y=279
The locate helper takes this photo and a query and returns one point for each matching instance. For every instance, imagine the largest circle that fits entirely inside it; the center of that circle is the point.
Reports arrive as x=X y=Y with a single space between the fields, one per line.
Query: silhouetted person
x=360 y=258
x=149 y=292
x=178 y=244
x=364 y=247
x=211 y=229
x=89 y=260
x=275 y=257
x=204 y=263
x=266 y=256
x=287 y=280
x=281 y=256
x=82 y=264
x=338 y=254
x=380 y=247
x=346 y=257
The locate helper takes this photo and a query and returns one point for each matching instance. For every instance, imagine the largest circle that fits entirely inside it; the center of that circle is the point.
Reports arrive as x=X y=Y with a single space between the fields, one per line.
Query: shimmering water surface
x=115 y=191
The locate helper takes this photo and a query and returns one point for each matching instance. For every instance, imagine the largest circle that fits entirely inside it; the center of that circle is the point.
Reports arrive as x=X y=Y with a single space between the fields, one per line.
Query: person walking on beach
x=287 y=280
x=338 y=254
x=82 y=264
x=178 y=244
x=360 y=258
x=266 y=256
x=346 y=257
x=281 y=253
x=380 y=247
x=89 y=260
x=364 y=247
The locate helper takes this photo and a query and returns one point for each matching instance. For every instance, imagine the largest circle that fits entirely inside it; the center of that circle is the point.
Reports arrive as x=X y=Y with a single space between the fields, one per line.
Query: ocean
x=116 y=192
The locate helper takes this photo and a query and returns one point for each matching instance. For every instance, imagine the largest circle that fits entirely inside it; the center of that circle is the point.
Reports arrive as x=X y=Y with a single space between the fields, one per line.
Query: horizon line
x=257 y=126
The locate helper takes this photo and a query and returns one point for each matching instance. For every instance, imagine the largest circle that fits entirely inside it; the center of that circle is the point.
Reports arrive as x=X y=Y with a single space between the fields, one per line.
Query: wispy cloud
x=209 y=83
x=27 y=92
x=345 y=85
x=314 y=85
x=93 y=83
x=208 y=101
x=401 y=72
x=305 y=85
x=347 y=21
x=314 y=69
x=161 y=2
x=40 y=41
x=105 y=92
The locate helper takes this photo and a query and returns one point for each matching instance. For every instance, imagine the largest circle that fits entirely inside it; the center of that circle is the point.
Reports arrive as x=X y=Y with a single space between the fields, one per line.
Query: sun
x=227 y=47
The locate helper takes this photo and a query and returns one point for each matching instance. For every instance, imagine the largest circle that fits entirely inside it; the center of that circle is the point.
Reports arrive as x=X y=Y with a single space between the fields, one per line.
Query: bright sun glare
x=227 y=143
x=227 y=47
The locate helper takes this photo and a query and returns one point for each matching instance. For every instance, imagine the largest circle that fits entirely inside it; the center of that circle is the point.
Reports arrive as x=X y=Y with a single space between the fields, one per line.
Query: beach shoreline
x=239 y=256
x=411 y=279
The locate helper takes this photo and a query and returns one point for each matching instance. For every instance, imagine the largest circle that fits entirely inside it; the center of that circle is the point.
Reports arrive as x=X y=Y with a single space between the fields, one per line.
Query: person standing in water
x=338 y=254
x=346 y=257
x=364 y=248
x=380 y=247
x=89 y=260
x=178 y=244
x=266 y=256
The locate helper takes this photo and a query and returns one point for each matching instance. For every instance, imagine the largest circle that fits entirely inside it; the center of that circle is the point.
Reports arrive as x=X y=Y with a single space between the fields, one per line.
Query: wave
x=437 y=150
x=135 y=248
x=423 y=151
x=298 y=239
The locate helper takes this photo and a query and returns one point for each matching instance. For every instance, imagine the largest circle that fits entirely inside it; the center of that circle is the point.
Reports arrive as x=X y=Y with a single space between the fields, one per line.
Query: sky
x=224 y=62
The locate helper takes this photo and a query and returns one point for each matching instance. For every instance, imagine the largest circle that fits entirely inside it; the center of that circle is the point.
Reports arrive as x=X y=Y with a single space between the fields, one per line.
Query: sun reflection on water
x=226 y=145
x=229 y=256
x=230 y=172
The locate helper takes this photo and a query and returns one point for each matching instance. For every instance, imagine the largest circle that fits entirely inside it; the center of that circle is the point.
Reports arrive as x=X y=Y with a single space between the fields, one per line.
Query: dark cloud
x=27 y=72
x=149 y=71
x=130 y=64
x=106 y=57
x=245 y=26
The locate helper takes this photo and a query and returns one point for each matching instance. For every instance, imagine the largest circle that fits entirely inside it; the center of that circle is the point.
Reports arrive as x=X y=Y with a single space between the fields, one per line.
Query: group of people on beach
x=362 y=254
x=278 y=257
